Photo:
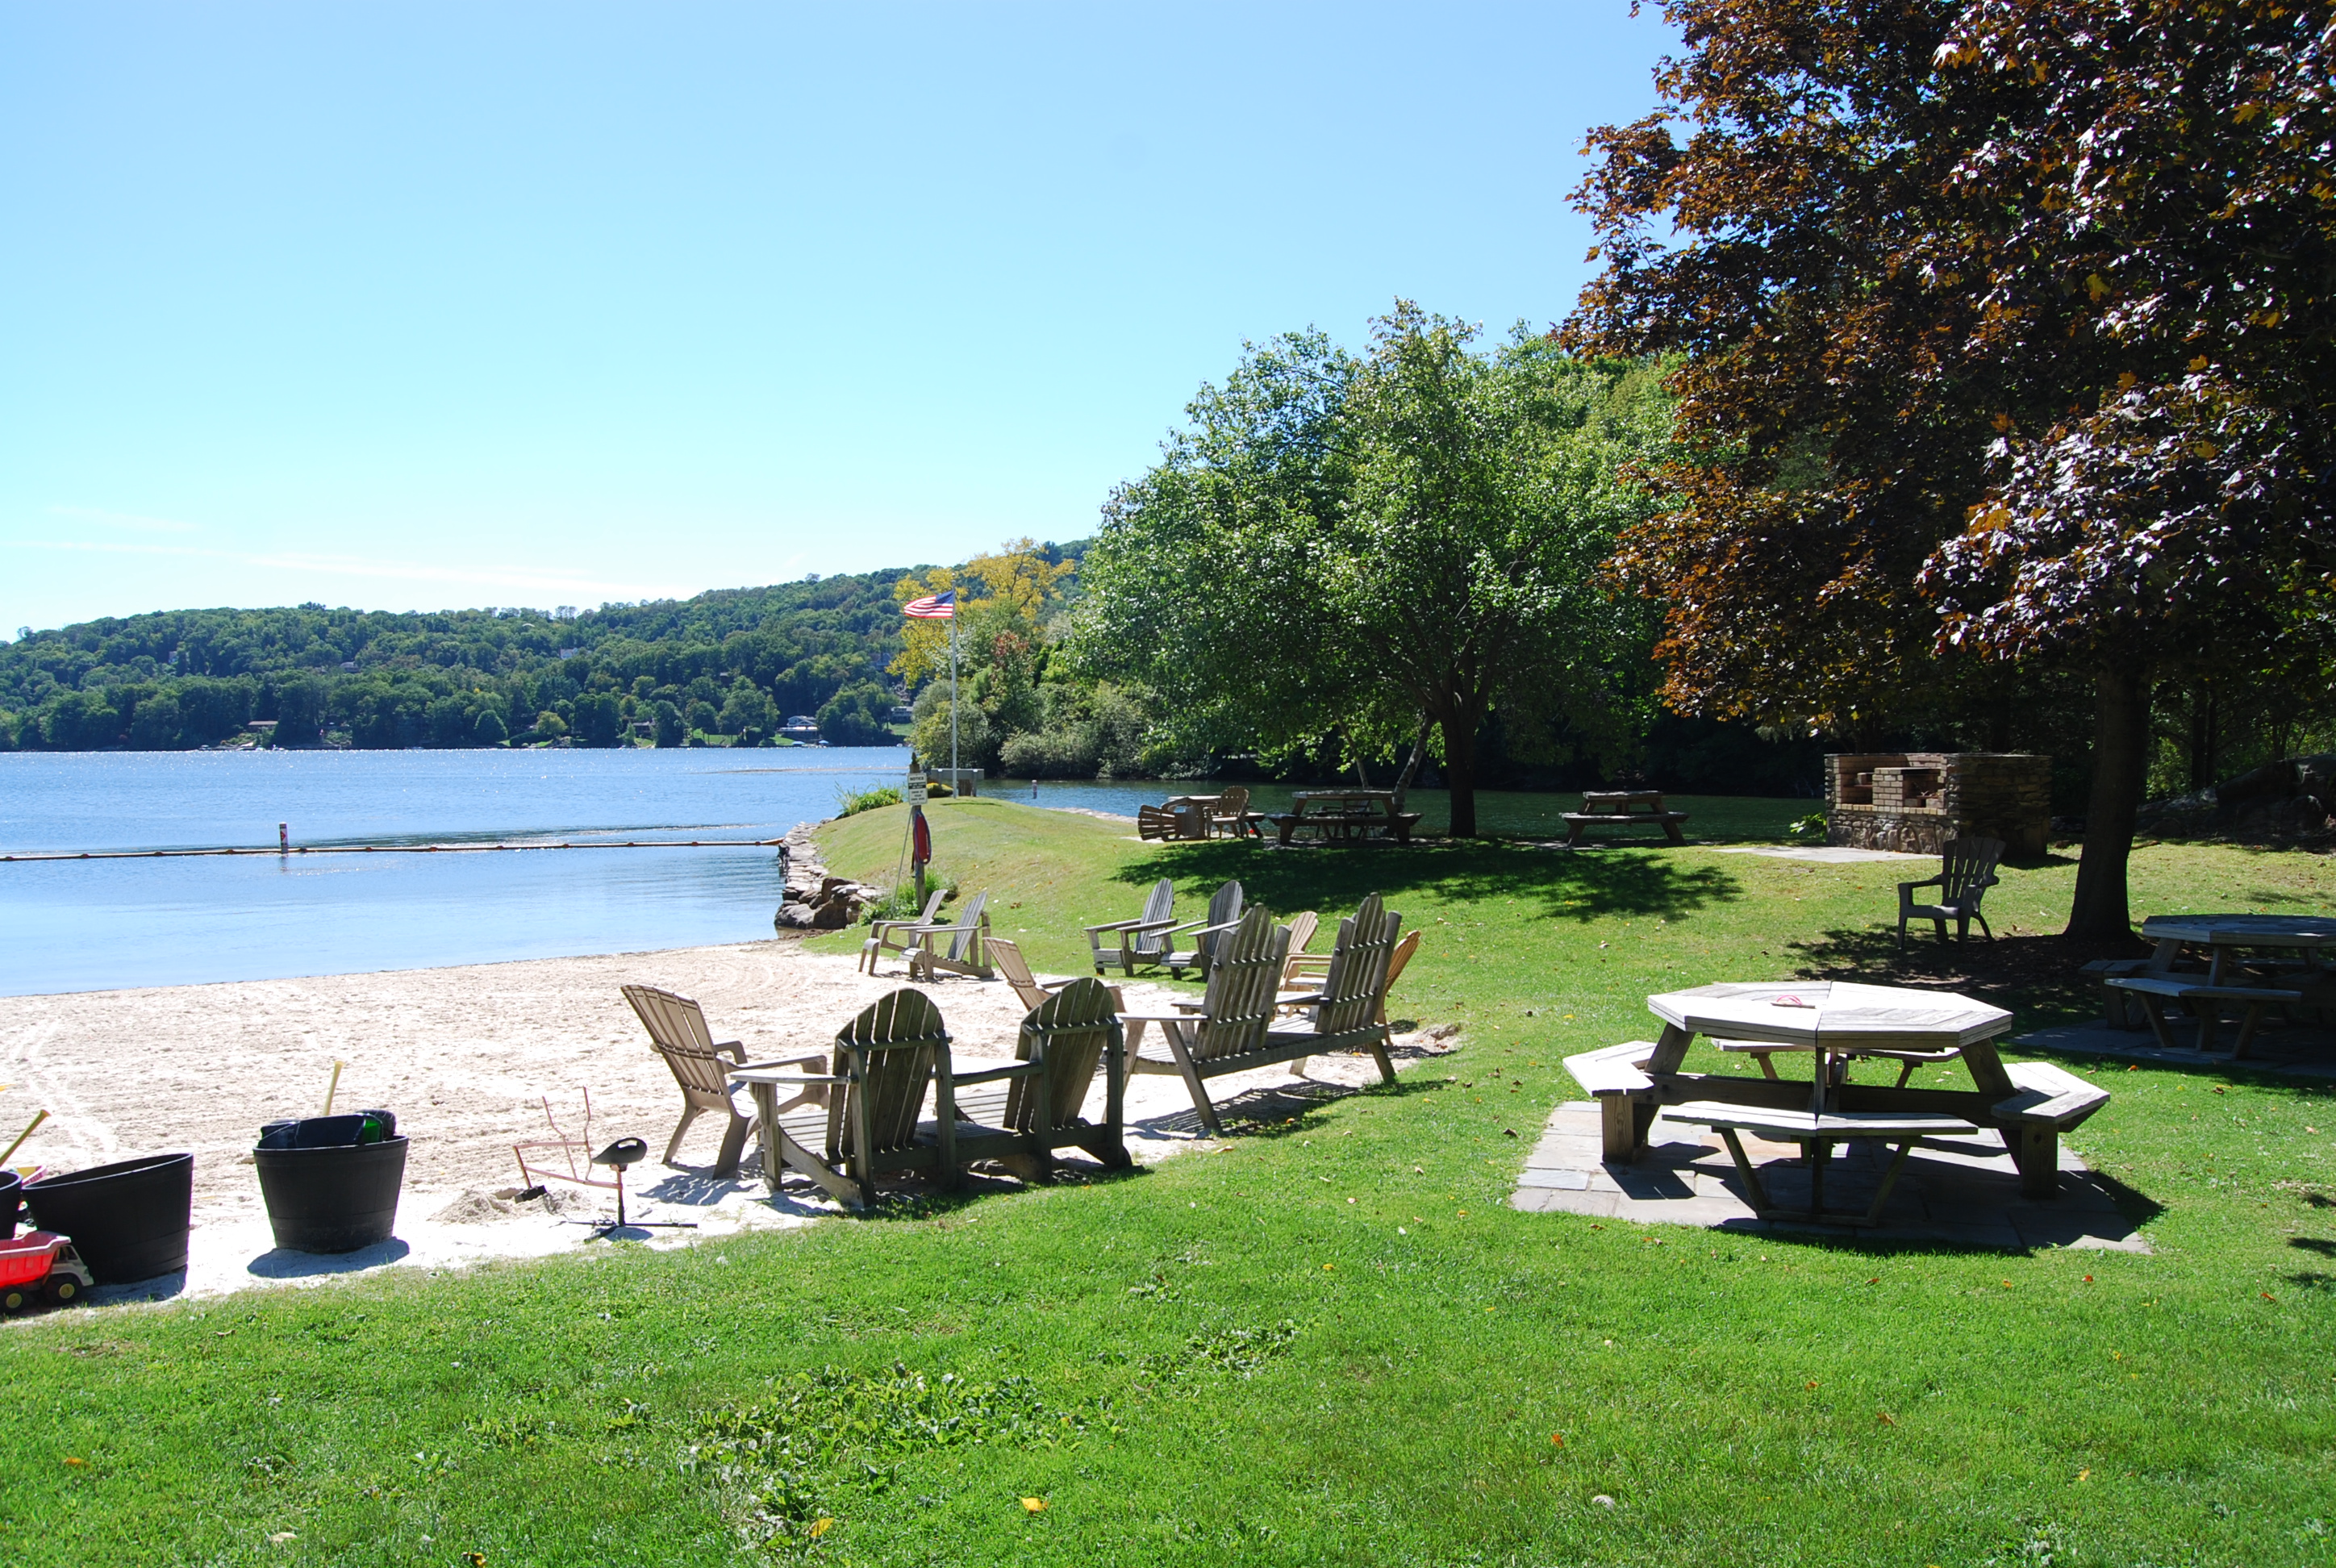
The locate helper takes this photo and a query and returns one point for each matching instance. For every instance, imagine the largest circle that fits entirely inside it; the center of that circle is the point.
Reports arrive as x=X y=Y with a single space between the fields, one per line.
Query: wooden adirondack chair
x=1396 y=962
x=1015 y=971
x=884 y=1061
x=702 y=1065
x=1157 y=822
x=1224 y=914
x=897 y=935
x=1966 y=870
x=1142 y=941
x=1063 y=1039
x=960 y=948
x=1230 y=816
x=1226 y=1033
x=1349 y=1012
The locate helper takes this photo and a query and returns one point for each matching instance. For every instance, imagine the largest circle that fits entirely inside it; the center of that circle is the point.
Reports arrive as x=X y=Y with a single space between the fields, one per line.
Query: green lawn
x=1328 y=1342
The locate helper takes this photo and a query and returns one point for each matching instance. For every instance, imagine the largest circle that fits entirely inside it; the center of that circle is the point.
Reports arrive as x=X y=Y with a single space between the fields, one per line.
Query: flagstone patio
x=1962 y=1190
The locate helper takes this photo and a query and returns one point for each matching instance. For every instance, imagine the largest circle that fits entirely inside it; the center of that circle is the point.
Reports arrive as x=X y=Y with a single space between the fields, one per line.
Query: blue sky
x=424 y=306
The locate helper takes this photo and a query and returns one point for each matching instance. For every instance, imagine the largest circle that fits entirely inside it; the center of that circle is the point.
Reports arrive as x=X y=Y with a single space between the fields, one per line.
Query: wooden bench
x=1816 y=1132
x=2205 y=1001
x=2049 y=1103
x=1613 y=1078
x=1908 y=1058
x=2114 y=1009
x=1580 y=823
x=1344 y=827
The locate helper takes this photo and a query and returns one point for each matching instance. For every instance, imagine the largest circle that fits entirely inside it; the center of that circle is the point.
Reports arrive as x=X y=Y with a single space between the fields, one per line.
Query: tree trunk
x=1411 y=768
x=1460 y=776
x=2206 y=743
x=2120 y=769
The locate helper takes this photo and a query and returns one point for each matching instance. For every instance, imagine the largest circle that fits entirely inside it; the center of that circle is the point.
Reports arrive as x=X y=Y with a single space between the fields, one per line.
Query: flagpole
x=955 y=783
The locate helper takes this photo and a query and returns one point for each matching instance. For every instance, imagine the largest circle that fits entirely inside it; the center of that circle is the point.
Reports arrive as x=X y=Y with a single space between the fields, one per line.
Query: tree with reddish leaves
x=2006 y=329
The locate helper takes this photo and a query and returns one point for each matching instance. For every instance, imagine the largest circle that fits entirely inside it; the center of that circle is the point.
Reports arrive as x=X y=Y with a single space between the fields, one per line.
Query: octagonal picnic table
x=2029 y=1103
x=2247 y=964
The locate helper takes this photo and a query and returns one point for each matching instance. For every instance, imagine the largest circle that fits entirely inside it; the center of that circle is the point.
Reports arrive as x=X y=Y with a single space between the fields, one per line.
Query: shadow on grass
x=1581 y=887
x=2038 y=976
x=1272 y=1110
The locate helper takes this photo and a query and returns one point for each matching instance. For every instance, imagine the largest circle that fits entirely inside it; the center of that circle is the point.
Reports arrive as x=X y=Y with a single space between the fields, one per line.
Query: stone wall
x=1915 y=802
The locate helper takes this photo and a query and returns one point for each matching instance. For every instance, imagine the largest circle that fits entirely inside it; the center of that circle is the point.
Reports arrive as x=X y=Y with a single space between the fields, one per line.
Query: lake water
x=91 y=925
x=96 y=925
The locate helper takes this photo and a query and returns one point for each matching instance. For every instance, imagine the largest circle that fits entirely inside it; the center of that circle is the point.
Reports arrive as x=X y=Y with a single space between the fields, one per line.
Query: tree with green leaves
x=1377 y=547
x=2006 y=330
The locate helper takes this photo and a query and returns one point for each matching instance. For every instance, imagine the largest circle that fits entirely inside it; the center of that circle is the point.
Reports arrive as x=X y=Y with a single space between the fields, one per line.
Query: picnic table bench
x=1345 y=816
x=1624 y=808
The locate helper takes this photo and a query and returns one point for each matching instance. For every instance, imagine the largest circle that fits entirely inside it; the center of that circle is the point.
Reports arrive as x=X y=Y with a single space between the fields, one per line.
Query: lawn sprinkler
x=618 y=1156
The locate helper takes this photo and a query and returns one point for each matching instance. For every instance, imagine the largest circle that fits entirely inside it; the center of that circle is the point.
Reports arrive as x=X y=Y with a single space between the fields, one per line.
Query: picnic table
x=2027 y=1103
x=1345 y=816
x=2257 y=961
x=1624 y=808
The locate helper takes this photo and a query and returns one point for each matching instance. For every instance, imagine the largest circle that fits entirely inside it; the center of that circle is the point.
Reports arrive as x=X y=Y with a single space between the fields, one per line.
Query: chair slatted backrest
x=1359 y=970
x=1224 y=909
x=1075 y=1026
x=1965 y=863
x=1154 y=823
x=933 y=909
x=676 y=1027
x=1160 y=905
x=1243 y=982
x=966 y=936
x=1395 y=962
x=1006 y=954
x=1301 y=932
x=888 y=1054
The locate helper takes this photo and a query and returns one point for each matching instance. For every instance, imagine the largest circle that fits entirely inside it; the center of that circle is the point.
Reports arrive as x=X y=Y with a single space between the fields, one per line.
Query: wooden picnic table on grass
x=2256 y=962
x=1345 y=816
x=1624 y=808
x=2027 y=1103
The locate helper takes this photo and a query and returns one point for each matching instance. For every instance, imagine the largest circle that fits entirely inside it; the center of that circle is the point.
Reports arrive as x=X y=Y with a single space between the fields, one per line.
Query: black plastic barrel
x=11 y=1192
x=329 y=1132
x=129 y=1221
x=331 y=1198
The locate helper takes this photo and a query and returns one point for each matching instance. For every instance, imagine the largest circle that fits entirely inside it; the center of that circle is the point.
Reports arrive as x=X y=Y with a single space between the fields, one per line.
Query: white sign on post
x=915 y=793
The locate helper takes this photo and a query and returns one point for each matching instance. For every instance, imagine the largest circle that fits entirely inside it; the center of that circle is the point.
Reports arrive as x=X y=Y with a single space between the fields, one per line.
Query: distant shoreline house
x=800 y=728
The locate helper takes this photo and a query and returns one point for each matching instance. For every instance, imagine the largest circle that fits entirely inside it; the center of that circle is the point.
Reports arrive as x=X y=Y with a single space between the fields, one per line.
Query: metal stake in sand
x=22 y=1137
x=331 y=1088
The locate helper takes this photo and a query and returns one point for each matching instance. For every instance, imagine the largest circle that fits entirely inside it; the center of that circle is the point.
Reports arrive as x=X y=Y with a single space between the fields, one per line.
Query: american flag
x=933 y=607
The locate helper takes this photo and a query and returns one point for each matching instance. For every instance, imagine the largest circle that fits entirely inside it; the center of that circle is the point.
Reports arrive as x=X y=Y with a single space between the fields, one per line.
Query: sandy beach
x=467 y=1058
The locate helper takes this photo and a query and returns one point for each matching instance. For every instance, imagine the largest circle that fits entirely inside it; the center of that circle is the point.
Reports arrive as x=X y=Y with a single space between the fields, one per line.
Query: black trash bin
x=129 y=1221
x=331 y=1182
x=11 y=1195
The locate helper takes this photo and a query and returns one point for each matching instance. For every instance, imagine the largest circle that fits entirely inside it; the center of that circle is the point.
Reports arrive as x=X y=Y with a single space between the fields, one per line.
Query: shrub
x=851 y=803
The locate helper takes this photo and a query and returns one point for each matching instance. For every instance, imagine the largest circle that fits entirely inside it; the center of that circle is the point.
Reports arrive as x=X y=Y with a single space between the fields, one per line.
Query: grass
x=1329 y=1341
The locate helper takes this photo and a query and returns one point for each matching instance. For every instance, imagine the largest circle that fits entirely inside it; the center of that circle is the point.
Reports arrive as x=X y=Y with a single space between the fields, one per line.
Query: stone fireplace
x=1915 y=802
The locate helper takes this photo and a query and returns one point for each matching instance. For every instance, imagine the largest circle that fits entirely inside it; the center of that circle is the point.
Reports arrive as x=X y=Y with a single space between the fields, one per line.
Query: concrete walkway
x=1961 y=1191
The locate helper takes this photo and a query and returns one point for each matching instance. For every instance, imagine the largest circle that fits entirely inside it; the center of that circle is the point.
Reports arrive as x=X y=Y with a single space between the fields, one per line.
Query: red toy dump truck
x=38 y=1263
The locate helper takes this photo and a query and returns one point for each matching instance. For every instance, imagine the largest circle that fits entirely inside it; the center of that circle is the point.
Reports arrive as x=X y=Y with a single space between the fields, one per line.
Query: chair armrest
x=736 y=1049
x=817 y=1061
x=806 y=1078
x=1297 y=998
x=1925 y=882
x=991 y=1075
x=1202 y=927
x=1157 y=1017
x=1134 y=925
